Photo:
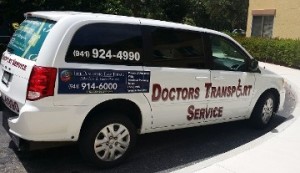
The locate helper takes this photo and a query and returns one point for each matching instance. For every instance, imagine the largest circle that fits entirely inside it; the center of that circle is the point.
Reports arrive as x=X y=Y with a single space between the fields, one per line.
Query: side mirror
x=253 y=65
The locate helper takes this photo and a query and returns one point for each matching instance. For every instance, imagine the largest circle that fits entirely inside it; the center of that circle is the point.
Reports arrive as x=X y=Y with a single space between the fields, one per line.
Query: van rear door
x=19 y=59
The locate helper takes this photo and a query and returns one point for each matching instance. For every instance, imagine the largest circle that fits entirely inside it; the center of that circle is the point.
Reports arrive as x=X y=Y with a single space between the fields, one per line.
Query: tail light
x=41 y=83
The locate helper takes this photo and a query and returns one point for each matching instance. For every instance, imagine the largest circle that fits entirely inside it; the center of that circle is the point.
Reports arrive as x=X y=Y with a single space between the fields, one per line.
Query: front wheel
x=263 y=110
x=107 y=141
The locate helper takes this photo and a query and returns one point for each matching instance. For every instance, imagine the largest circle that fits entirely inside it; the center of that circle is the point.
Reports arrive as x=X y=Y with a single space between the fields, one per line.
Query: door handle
x=219 y=78
x=200 y=77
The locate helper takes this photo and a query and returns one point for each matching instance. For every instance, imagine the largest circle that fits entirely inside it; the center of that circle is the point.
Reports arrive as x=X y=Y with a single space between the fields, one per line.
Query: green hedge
x=278 y=51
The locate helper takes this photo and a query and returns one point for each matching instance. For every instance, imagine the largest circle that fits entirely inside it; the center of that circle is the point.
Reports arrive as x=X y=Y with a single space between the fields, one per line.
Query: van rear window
x=28 y=39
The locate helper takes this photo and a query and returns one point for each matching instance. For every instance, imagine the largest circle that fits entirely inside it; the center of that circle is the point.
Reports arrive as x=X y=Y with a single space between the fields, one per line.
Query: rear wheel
x=263 y=110
x=107 y=141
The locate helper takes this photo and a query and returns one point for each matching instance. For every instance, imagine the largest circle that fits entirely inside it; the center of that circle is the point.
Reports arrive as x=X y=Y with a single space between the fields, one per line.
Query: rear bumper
x=6 y=115
x=45 y=123
x=31 y=130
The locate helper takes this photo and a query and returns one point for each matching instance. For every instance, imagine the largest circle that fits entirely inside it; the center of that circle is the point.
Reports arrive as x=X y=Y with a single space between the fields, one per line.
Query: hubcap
x=112 y=142
x=267 y=110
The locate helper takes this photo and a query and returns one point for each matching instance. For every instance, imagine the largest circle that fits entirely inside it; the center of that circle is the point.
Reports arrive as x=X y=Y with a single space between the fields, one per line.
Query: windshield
x=28 y=39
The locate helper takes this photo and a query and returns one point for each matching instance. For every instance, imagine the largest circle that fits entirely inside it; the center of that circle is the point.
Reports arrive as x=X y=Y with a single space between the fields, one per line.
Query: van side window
x=177 y=48
x=106 y=43
x=226 y=55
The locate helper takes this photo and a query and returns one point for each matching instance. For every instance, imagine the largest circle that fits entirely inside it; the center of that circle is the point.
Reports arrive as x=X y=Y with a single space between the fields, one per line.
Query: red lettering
x=5 y=58
x=197 y=112
x=190 y=112
x=171 y=94
x=220 y=112
x=239 y=89
x=178 y=90
x=249 y=87
x=202 y=113
x=184 y=93
x=14 y=63
x=218 y=92
x=208 y=112
x=207 y=86
x=224 y=91
x=213 y=92
x=156 y=92
x=245 y=93
x=233 y=90
x=229 y=93
x=215 y=112
x=16 y=107
x=197 y=93
x=165 y=94
x=11 y=103
x=191 y=93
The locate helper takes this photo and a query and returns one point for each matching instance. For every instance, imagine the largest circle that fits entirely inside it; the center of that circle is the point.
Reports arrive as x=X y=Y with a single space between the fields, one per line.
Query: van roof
x=54 y=15
x=57 y=15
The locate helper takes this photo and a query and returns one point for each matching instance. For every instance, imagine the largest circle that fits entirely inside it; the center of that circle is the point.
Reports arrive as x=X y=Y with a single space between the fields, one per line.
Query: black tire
x=112 y=148
x=263 y=111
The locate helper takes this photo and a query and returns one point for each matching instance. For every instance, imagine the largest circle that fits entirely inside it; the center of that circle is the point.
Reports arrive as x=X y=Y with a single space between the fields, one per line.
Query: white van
x=102 y=79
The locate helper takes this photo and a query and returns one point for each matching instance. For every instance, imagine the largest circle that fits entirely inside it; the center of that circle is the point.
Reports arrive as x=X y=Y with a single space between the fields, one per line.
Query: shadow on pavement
x=154 y=152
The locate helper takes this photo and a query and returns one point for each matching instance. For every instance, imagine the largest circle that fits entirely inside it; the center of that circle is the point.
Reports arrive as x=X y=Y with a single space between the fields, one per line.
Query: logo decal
x=66 y=75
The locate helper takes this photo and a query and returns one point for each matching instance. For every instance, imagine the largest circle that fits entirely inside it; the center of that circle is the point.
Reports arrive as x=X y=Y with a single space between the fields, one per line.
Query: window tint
x=226 y=55
x=177 y=48
x=106 y=43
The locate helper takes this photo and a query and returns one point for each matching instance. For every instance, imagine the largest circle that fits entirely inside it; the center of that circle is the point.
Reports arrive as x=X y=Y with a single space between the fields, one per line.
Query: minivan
x=100 y=80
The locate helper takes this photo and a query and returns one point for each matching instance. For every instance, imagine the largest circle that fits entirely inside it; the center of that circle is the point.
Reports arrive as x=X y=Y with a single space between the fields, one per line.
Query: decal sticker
x=65 y=75
x=10 y=103
x=160 y=93
x=107 y=54
x=227 y=91
x=203 y=113
x=87 y=81
x=28 y=39
x=15 y=63
x=174 y=93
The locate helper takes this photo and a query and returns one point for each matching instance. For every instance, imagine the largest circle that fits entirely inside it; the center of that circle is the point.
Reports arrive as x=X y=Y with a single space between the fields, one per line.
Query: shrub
x=278 y=51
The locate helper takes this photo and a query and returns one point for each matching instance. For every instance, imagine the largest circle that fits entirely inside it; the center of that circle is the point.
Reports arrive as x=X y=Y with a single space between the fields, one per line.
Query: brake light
x=41 y=83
